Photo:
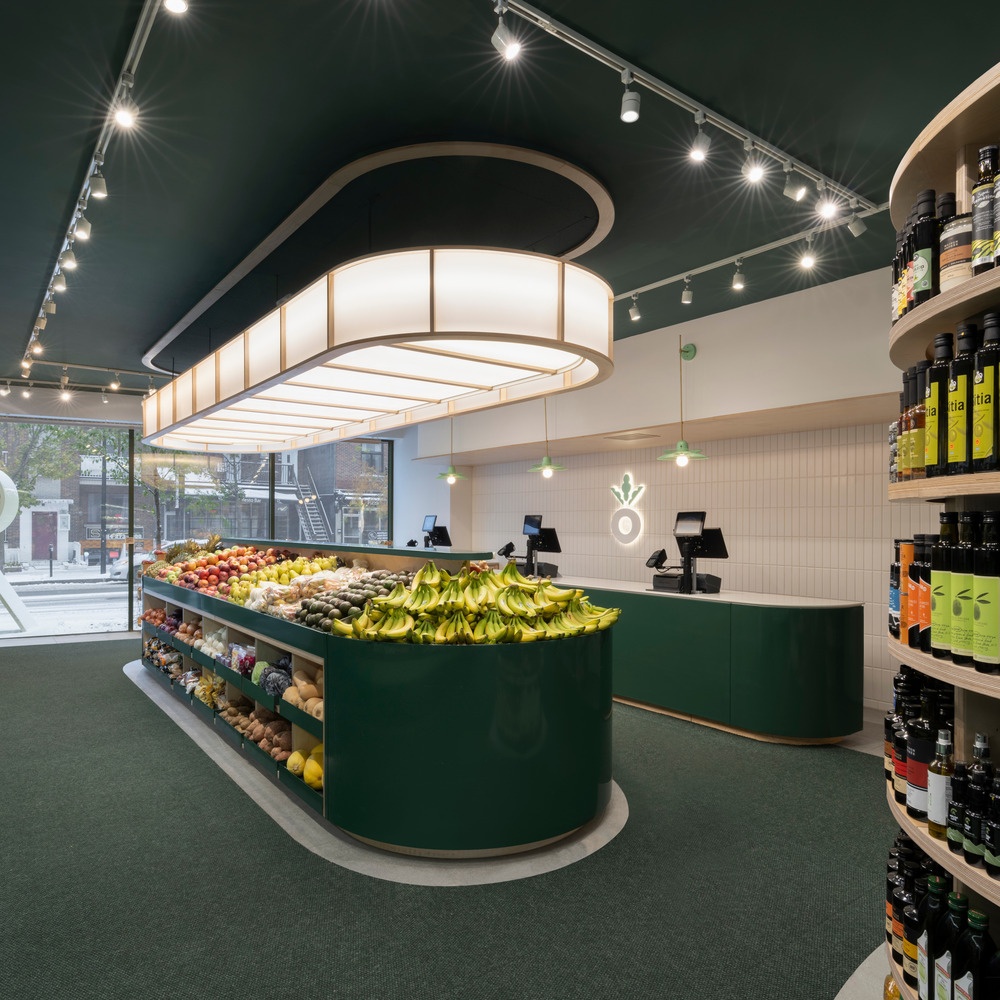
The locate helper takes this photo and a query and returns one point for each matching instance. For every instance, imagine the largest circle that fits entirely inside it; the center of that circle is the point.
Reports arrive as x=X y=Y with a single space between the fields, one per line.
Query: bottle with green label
x=962 y=597
x=973 y=954
x=936 y=408
x=956 y=807
x=982 y=211
x=934 y=907
x=960 y=374
x=985 y=422
x=949 y=929
x=977 y=799
x=986 y=596
x=941 y=585
x=918 y=422
x=925 y=249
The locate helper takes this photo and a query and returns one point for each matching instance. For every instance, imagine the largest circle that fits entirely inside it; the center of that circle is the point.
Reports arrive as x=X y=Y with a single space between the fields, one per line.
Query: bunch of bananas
x=476 y=607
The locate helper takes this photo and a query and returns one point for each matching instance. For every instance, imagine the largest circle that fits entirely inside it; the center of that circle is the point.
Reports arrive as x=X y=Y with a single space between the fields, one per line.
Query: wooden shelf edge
x=966 y=678
x=942 y=488
x=906 y=991
x=911 y=336
x=976 y=879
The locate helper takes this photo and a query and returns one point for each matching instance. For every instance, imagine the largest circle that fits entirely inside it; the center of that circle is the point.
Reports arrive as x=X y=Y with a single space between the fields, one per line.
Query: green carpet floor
x=134 y=868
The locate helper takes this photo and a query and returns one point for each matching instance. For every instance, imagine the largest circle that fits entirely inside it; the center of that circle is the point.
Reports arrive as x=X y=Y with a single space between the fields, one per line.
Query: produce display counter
x=439 y=750
x=787 y=668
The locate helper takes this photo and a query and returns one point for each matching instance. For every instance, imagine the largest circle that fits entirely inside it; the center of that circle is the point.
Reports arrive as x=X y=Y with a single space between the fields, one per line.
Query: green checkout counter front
x=782 y=668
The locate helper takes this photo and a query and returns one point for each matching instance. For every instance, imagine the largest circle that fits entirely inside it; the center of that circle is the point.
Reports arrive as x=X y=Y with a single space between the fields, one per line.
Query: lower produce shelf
x=262 y=761
x=975 y=878
x=312 y=725
x=906 y=991
x=163 y=678
x=228 y=733
x=310 y=796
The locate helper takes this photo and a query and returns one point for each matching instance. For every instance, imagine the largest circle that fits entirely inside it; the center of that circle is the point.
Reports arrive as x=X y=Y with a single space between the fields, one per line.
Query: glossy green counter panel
x=467 y=748
x=797 y=672
x=671 y=652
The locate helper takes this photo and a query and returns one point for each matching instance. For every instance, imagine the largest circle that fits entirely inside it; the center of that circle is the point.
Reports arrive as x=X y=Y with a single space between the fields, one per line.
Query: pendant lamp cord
x=545 y=410
x=451 y=444
x=680 y=379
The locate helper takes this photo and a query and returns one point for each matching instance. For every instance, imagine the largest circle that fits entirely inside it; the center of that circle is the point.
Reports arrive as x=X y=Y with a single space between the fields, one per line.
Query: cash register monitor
x=532 y=525
x=689 y=524
x=712 y=545
x=547 y=541
x=429 y=521
x=439 y=536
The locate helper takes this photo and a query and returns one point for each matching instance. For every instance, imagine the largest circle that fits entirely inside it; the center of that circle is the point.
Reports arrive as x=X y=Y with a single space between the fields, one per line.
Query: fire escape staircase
x=313 y=521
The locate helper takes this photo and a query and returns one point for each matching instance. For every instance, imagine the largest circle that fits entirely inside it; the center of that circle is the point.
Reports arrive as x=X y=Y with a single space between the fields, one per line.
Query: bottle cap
x=925 y=203
x=978 y=919
x=982 y=740
x=937 y=884
x=957 y=902
x=991 y=326
x=967 y=336
x=987 y=151
x=943 y=346
x=946 y=204
x=948 y=517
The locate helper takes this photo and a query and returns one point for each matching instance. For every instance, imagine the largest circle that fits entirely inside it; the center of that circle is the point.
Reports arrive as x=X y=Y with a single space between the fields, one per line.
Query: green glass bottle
x=935 y=906
x=941 y=598
x=960 y=374
x=936 y=408
x=949 y=929
x=962 y=566
x=973 y=953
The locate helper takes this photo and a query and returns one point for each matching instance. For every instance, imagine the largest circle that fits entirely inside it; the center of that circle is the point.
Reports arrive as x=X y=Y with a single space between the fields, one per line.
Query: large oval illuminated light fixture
x=391 y=340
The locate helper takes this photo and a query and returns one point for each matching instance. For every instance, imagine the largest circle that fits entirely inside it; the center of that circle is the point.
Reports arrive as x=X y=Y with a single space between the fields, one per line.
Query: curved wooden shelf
x=976 y=879
x=942 y=488
x=910 y=339
x=969 y=120
x=906 y=991
x=966 y=678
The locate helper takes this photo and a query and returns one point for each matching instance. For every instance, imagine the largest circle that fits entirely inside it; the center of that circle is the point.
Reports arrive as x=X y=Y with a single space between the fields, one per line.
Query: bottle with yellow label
x=985 y=422
x=960 y=374
x=918 y=422
x=936 y=408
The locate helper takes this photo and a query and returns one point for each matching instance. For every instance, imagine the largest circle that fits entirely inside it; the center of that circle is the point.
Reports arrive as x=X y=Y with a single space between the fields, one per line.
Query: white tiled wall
x=803 y=514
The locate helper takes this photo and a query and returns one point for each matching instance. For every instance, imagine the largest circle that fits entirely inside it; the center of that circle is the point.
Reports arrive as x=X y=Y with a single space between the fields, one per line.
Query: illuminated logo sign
x=626 y=522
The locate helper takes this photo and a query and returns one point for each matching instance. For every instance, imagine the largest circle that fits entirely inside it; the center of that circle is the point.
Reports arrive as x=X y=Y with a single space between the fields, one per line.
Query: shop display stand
x=944 y=157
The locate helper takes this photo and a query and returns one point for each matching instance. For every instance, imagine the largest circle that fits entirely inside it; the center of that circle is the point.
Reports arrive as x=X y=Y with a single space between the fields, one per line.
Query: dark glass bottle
x=933 y=908
x=986 y=596
x=913 y=592
x=939 y=775
x=976 y=802
x=911 y=932
x=941 y=585
x=894 y=591
x=982 y=211
x=956 y=807
x=946 y=209
x=973 y=953
x=902 y=896
x=908 y=252
x=911 y=709
x=936 y=408
x=906 y=554
x=991 y=831
x=962 y=566
x=924 y=592
x=982 y=764
x=949 y=929
x=920 y=739
x=925 y=249
x=960 y=375
x=904 y=445
x=985 y=422
x=918 y=422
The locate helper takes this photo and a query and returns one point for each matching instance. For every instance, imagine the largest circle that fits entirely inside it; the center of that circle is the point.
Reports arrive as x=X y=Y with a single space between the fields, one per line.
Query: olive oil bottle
x=960 y=374
x=985 y=422
x=919 y=754
x=962 y=566
x=894 y=592
x=991 y=831
x=949 y=929
x=982 y=211
x=918 y=422
x=939 y=775
x=904 y=448
x=974 y=951
x=925 y=249
x=941 y=585
x=956 y=807
x=936 y=408
x=986 y=596
x=935 y=906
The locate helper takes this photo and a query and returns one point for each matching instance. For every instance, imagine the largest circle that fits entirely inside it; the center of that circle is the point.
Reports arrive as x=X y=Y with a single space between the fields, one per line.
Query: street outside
x=74 y=599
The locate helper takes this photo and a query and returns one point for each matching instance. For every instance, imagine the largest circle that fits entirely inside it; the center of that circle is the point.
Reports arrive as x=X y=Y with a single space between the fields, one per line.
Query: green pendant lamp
x=451 y=474
x=682 y=452
x=546 y=466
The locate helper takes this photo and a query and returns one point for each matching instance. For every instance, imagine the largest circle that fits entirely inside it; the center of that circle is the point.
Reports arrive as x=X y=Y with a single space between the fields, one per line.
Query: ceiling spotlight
x=59 y=283
x=81 y=230
x=857 y=226
x=64 y=394
x=97 y=184
x=687 y=295
x=67 y=260
x=49 y=307
x=630 y=99
x=503 y=41
x=41 y=322
x=26 y=364
x=26 y=391
x=64 y=378
x=152 y=388
x=104 y=397
x=826 y=206
x=739 y=282
x=808 y=258
x=126 y=111
x=753 y=168
x=176 y=6
x=796 y=186
x=115 y=384
x=633 y=310
x=36 y=347
x=701 y=142
x=5 y=390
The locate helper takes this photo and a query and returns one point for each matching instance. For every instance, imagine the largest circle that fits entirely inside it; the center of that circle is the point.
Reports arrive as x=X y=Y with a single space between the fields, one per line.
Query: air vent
x=631 y=436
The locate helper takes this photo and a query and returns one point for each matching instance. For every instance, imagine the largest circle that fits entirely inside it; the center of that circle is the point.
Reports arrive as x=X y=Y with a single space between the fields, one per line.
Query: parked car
x=119 y=568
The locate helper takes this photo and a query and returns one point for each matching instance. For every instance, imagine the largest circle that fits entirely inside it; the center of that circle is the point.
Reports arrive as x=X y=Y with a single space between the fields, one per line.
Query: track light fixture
x=701 y=142
x=687 y=296
x=808 y=258
x=67 y=260
x=59 y=282
x=41 y=322
x=26 y=391
x=5 y=390
x=753 y=167
x=97 y=185
x=796 y=186
x=503 y=41
x=176 y=6
x=81 y=228
x=126 y=110
x=48 y=306
x=633 y=310
x=739 y=283
x=104 y=397
x=630 y=99
x=36 y=346
x=152 y=388
x=115 y=384
x=857 y=227
x=64 y=394
x=826 y=205
x=26 y=364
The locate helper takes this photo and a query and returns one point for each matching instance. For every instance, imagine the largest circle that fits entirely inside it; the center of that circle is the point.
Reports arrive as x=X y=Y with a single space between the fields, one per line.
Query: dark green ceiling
x=247 y=107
